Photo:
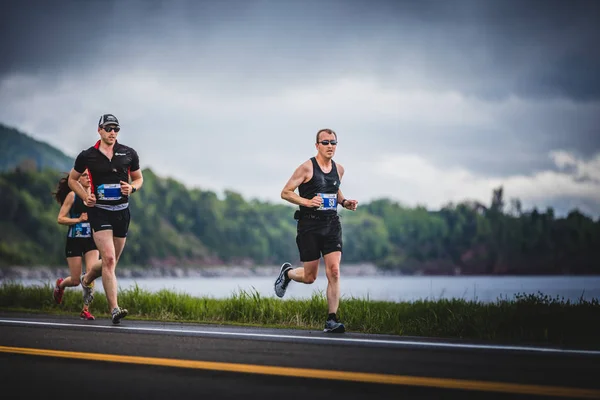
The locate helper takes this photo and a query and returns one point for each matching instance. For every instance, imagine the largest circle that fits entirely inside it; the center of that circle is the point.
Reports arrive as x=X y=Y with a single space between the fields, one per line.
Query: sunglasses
x=111 y=128
x=328 y=142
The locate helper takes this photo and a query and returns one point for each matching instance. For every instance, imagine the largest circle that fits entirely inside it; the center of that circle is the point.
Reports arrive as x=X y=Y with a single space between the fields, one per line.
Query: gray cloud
x=488 y=86
x=483 y=48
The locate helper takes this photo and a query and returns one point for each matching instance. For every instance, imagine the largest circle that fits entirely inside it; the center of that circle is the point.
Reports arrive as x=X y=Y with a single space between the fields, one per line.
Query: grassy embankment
x=525 y=319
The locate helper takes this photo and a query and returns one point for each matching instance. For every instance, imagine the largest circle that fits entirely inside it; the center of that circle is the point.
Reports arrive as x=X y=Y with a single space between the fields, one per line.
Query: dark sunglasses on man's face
x=328 y=142
x=112 y=128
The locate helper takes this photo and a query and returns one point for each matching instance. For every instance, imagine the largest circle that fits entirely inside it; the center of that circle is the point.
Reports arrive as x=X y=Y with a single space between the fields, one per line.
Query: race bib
x=109 y=191
x=329 y=201
x=82 y=230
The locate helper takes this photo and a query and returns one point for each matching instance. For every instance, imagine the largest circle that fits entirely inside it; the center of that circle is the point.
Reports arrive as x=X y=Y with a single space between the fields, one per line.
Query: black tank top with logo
x=324 y=185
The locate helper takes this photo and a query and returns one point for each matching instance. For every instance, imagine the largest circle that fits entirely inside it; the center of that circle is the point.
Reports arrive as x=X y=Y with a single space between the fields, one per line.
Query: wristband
x=342 y=202
x=133 y=189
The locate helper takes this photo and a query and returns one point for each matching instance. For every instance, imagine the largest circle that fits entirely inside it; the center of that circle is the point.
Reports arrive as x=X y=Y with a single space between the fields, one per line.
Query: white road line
x=399 y=343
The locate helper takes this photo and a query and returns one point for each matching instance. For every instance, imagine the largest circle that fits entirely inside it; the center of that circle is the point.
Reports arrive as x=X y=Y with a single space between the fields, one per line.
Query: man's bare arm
x=301 y=174
x=298 y=177
x=75 y=185
x=340 y=195
x=137 y=180
x=347 y=203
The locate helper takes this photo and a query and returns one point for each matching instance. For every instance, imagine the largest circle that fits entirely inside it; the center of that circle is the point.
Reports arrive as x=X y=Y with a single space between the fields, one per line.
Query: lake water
x=397 y=288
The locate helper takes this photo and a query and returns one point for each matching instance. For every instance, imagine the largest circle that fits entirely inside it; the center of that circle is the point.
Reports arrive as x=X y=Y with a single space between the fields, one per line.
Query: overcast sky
x=433 y=101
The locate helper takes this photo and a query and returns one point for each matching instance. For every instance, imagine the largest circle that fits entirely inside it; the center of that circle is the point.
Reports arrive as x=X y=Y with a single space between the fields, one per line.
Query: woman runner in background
x=79 y=244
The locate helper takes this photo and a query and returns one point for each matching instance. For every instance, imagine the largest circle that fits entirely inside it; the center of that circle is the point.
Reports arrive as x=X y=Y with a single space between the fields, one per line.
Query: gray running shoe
x=281 y=283
x=118 y=314
x=88 y=292
x=332 y=326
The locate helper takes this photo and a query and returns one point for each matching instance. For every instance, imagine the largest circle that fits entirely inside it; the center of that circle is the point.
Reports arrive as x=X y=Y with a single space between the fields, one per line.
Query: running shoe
x=85 y=314
x=332 y=326
x=281 y=283
x=88 y=292
x=58 y=292
x=118 y=314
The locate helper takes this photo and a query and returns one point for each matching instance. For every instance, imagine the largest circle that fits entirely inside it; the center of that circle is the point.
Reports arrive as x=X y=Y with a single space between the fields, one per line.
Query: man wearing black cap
x=110 y=165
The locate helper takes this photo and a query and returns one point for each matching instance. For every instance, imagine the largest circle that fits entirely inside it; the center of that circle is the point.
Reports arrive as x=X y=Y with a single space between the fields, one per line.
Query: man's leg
x=92 y=272
x=119 y=246
x=93 y=269
x=309 y=249
x=120 y=228
x=106 y=246
x=92 y=261
x=332 y=254
x=332 y=270
x=307 y=273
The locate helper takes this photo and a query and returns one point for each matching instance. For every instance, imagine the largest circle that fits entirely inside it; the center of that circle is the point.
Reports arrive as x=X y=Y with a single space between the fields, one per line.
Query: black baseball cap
x=108 y=119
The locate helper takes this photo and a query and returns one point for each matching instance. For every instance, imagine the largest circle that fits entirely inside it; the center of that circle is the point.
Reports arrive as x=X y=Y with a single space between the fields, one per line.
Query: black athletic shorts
x=101 y=220
x=77 y=247
x=318 y=237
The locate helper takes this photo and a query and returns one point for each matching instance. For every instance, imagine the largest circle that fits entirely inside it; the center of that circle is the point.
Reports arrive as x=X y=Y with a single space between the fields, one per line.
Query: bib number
x=82 y=230
x=329 y=201
x=109 y=191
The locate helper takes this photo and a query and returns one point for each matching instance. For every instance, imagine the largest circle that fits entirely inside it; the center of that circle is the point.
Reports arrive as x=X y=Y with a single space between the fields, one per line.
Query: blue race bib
x=329 y=201
x=82 y=230
x=109 y=191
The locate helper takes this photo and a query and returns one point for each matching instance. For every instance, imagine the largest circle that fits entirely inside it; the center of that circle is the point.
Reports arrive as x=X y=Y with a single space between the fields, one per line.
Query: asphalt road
x=64 y=357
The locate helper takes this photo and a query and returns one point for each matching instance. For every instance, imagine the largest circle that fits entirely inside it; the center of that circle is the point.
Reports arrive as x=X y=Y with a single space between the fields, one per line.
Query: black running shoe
x=118 y=314
x=332 y=326
x=281 y=283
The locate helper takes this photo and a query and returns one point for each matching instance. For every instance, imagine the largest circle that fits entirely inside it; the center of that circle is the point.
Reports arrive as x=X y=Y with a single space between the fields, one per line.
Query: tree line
x=174 y=225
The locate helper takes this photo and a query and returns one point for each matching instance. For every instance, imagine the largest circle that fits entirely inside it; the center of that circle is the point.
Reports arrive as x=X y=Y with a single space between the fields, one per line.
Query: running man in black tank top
x=319 y=230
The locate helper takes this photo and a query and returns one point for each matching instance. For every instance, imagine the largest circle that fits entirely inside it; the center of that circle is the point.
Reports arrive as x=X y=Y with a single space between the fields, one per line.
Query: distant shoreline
x=52 y=272
x=45 y=272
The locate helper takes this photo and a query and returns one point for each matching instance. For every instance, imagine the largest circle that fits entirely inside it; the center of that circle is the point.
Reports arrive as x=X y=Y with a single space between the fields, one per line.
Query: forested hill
x=20 y=150
x=173 y=225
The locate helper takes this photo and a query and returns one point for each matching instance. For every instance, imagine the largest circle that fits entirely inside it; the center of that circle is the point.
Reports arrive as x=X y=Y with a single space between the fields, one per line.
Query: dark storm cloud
x=489 y=49
x=490 y=87
x=53 y=35
x=558 y=37
x=44 y=35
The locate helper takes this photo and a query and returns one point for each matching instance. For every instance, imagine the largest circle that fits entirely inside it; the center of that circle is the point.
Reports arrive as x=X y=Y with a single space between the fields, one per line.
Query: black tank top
x=80 y=229
x=78 y=206
x=326 y=185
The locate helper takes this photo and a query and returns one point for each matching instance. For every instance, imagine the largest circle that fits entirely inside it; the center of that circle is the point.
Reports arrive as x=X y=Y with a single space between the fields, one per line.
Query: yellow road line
x=442 y=383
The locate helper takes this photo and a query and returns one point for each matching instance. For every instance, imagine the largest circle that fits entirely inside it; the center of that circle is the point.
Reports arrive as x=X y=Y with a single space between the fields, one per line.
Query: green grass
x=530 y=319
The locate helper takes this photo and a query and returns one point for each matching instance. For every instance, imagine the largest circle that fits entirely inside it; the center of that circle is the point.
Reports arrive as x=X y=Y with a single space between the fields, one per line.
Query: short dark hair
x=328 y=131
